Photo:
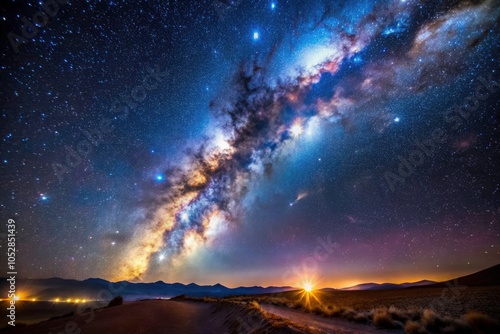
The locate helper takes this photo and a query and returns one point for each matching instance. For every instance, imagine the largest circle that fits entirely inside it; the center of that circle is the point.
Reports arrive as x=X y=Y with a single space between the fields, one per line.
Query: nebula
x=206 y=189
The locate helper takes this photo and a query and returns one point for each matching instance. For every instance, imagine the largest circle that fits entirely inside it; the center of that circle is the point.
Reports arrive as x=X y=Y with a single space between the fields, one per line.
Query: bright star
x=296 y=130
x=161 y=257
x=184 y=216
x=43 y=197
x=273 y=5
x=397 y=119
x=255 y=35
x=159 y=177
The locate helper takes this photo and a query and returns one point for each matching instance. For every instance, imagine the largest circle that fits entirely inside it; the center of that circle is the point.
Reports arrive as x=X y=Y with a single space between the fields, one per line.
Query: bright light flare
x=308 y=287
x=296 y=130
x=307 y=295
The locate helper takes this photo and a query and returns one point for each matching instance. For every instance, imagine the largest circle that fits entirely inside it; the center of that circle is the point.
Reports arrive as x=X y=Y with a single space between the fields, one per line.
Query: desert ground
x=153 y=316
x=28 y=312
x=452 y=301
x=449 y=309
x=414 y=310
x=192 y=317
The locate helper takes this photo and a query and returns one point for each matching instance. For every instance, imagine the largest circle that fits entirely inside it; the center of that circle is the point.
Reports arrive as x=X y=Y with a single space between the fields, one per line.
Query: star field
x=214 y=141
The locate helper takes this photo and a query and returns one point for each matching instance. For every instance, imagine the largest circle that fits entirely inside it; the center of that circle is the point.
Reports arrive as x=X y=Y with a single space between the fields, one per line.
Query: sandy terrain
x=328 y=325
x=154 y=316
x=179 y=317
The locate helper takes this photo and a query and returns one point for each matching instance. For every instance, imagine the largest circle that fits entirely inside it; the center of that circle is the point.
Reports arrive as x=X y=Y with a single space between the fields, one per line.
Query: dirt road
x=328 y=325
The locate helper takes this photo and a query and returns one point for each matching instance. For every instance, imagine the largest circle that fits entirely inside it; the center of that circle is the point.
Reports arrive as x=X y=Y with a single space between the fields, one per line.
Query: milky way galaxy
x=212 y=181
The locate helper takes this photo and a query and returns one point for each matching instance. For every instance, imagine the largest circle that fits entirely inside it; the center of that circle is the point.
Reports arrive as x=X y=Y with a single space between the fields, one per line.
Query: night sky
x=252 y=142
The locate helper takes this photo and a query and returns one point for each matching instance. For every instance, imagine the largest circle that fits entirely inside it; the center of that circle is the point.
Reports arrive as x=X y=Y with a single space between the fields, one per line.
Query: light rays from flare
x=308 y=297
